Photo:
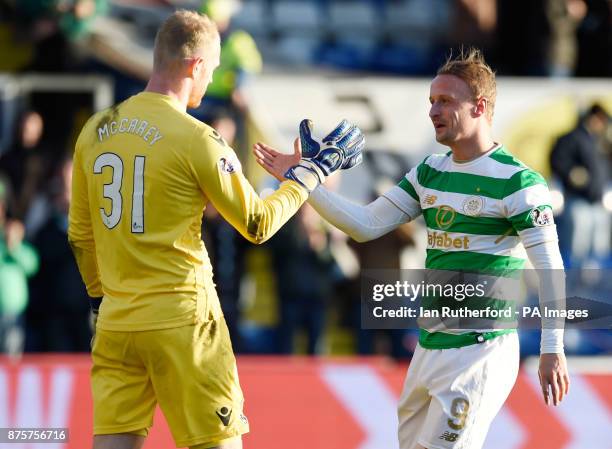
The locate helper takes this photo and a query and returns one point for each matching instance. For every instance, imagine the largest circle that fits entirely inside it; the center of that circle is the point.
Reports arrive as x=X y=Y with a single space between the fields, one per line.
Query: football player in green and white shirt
x=485 y=212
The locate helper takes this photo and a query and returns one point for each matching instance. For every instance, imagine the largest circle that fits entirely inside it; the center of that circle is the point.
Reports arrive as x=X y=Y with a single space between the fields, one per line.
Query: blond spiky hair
x=469 y=65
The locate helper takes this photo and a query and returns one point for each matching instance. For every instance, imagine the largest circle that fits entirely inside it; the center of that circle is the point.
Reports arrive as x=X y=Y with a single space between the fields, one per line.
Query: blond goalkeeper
x=144 y=171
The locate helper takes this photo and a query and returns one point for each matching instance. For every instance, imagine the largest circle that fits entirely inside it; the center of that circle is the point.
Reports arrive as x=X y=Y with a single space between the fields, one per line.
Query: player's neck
x=175 y=89
x=470 y=149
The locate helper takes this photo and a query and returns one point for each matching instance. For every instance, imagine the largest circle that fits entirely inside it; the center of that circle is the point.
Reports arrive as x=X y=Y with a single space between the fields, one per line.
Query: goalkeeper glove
x=341 y=149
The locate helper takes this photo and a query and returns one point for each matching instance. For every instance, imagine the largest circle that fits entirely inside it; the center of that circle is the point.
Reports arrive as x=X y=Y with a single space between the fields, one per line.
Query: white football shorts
x=451 y=396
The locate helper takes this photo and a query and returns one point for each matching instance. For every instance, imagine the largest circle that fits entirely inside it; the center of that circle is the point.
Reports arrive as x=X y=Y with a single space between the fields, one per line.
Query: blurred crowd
x=300 y=292
x=520 y=37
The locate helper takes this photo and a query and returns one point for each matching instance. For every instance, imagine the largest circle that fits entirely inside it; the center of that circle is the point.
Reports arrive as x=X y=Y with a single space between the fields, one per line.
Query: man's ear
x=481 y=106
x=195 y=66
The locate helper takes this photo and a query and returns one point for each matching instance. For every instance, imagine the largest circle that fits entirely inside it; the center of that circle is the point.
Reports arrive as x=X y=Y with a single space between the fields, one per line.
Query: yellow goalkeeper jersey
x=143 y=173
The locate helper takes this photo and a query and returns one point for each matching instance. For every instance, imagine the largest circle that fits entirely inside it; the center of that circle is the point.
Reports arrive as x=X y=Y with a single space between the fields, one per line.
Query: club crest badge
x=473 y=206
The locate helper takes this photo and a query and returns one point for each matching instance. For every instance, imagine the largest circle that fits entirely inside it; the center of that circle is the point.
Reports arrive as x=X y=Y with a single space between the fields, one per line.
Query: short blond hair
x=181 y=36
x=471 y=67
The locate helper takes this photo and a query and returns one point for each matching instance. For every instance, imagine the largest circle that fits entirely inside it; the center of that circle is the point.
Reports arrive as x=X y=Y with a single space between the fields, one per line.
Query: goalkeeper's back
x=143 y=172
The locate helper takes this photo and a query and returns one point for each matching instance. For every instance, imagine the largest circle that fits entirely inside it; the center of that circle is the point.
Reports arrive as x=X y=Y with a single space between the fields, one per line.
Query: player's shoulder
x=89 y=133
x=410 y=180
x=209 y=149
x=519 y=175
x=435 y=161
x=503 y=166
x=507 y=160
x=209 y=138
x=98 y=117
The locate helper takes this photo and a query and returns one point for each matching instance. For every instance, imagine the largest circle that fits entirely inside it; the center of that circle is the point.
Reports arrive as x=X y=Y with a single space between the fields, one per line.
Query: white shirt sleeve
x=528 y=208
x=546 y=259
x=362 y=223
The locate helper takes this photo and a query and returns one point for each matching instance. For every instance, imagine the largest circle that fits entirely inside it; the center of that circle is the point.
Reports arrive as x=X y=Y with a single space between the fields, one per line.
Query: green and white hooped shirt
x=480 y=215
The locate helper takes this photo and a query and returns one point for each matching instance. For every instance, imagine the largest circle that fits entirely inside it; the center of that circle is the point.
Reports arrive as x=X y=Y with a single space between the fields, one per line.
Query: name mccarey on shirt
x=149 y=134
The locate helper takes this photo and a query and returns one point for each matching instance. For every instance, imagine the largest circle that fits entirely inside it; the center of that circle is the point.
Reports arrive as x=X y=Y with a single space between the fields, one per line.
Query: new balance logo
x=449 y=436
x=430 y=200
x=224 y=415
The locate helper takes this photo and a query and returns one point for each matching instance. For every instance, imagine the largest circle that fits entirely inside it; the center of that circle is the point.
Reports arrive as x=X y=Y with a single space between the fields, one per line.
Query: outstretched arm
x=361 y=223
x=220 y=176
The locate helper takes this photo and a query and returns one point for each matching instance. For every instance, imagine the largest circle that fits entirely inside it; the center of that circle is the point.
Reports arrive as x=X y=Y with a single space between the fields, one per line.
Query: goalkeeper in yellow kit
x=143 y=172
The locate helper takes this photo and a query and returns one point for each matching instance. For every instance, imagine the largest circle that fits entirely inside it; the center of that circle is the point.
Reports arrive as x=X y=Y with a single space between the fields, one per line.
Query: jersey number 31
x=112 y=191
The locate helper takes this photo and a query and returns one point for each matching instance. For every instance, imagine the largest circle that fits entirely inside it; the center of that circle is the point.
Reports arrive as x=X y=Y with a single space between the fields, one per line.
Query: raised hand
x=274 y=162
x=312 y=161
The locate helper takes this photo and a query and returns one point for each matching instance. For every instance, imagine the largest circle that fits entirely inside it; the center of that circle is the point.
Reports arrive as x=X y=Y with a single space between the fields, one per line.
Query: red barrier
x=307 y=403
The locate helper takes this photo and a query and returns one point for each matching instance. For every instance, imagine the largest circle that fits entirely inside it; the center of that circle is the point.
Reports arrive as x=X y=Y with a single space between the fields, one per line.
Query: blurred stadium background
x=312 y=377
